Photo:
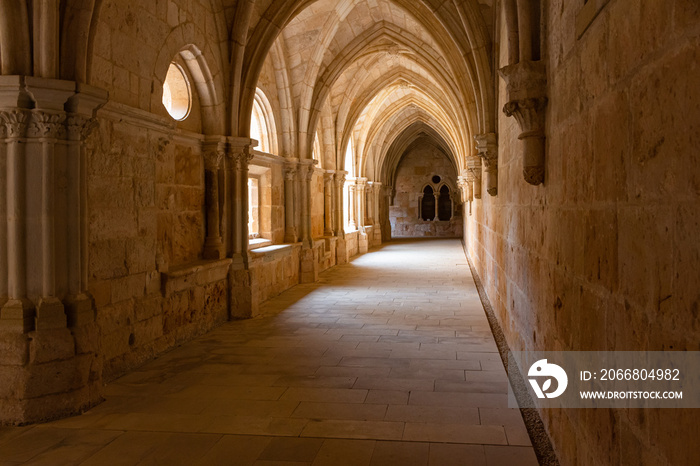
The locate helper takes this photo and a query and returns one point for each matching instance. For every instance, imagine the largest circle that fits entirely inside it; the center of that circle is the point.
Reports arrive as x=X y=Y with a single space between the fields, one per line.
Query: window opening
x=177 y=96
x=427 y=206
x=444 y=204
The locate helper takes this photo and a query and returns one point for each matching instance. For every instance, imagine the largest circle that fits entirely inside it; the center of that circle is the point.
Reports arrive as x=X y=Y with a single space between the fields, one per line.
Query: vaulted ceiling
x=384 y=72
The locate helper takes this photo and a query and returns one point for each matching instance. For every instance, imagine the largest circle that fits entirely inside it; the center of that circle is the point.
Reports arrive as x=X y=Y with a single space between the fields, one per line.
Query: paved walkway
x=388 y=360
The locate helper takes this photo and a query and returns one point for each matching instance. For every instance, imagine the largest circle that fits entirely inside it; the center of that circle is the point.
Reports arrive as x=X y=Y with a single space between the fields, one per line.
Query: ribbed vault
x=380 y=73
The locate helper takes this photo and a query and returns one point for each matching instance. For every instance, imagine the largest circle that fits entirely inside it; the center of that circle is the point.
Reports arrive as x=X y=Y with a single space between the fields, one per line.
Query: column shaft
x=290 y=233
x=213 y=153
x=328 y=203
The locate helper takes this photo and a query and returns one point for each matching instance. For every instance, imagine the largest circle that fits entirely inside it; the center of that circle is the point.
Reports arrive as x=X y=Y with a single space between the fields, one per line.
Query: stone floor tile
x=247 y=425
x=400 y=453
x=509 y=456
x=75 y=447
x=474 y=400
x=471 y=387
x=345 y=453
x=455 y=433
x=444 y=454
x=389 y=397
x=395 y=383
x=433 y=414
x=325 y=395
x=372 y=430
x=128 y=449
x=243 y=450
x=291 y=449
x=341 y=411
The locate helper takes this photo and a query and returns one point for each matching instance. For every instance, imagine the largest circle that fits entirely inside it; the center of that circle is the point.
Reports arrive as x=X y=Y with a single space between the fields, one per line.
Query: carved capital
x=213 y=154
x=46 y=125
x=328 y=179
x=340 y=180
x=527 y=100
x=307 y=172
x=290 y=173
x=15 y=123
x=487 y=148
x=530 y=114
x=79 y=128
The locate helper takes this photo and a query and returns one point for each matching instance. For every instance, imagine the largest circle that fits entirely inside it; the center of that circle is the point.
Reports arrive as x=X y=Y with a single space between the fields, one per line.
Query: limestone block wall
x=146 y=219
x=416 y=170
x=274 y=270
x=604 y=255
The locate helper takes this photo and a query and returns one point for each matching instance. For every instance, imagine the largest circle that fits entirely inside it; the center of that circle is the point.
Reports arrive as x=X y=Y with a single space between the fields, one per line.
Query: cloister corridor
x=386 y=360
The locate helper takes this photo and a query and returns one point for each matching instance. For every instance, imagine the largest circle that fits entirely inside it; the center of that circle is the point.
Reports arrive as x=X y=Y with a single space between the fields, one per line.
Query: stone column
x=213 y=151
x=361 y=202
x=376 y=211
x=527 y=100
x=352 y=202
x=307 y=175
x=17 y=314
x=309 y=259
x=362 y=240
x=338 y=214
x=436 y=193
x=3 y=215
x=242 y=305
x=60 y=339
x=47 y=126
x=369 y=202
x=80 y=123
x=487 y=148
x=290 y=231
x=328 y=195
x=241 y=154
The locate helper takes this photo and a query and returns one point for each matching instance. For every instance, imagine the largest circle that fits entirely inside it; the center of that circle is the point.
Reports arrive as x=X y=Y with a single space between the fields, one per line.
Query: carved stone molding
x=340 y=180
x=15 y=123
x=290 y=173
x=474 y=175
x=46 y=125
x=527 y=102
x=487 y=148
x=79 y=128
x=213 y=155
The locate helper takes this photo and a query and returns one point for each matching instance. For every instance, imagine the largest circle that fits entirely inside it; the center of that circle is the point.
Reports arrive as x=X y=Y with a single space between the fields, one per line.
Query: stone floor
x=388 y=360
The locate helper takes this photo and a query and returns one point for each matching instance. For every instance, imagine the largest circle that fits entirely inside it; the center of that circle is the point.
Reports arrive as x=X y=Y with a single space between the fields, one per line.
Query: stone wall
x=604 y=255
x=416 y=170
x=146 y=204
x=273 y=270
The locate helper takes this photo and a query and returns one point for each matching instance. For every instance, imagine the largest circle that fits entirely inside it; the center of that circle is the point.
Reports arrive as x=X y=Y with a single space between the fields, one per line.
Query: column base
x=54 y=371
x=213 y=249
x=50 y=314
x=309 y=266
x=17 y=316
x=341 y=251
x=241 y=302
x=363 y=242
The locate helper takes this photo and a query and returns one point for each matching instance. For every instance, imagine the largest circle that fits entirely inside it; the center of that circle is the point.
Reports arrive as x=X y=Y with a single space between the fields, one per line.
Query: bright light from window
x=177 y=97
x=253 y=208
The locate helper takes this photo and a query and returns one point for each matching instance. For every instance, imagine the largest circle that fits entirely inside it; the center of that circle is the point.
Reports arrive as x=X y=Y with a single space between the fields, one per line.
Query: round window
x=436 y=179
x=177 y=97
